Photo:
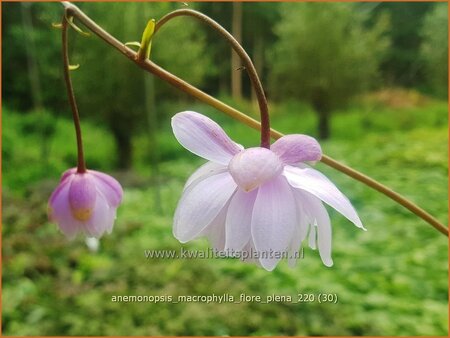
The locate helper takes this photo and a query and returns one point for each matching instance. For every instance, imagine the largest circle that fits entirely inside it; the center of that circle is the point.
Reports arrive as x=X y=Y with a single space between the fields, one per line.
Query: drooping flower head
x=85 y=202
x=258 y=201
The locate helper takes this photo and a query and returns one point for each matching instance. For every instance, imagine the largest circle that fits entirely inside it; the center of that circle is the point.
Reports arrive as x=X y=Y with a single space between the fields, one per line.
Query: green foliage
x=325 y=54
x=47 y=52
x=194 y=52
x=402 y=65
x=390 y=280
x=336 y=59
x=434 y=48
x=126 y=22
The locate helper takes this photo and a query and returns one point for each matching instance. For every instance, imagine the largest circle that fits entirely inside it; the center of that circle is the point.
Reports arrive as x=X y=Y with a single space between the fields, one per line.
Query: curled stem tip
x=69 y=19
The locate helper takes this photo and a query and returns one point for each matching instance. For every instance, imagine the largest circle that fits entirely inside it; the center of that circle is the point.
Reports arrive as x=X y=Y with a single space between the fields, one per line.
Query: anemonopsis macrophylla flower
x=85 y=202
x=255 y=203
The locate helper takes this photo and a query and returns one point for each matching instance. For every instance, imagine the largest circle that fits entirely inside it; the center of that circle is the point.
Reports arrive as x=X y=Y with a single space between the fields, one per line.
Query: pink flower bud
x=85 y=202
x=254 y=166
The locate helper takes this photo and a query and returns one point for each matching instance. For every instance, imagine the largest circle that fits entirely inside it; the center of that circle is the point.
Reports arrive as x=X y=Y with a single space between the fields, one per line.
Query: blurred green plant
x=434 y=48
x=138 y=106
x=23 y=165
x=47 y=53
x=336 y=55
x=402 y=66
x=115 y=92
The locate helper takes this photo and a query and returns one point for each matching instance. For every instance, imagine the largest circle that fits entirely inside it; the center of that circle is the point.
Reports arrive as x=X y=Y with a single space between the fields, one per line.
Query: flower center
x=254 y=166
x=82 y=214
x=82 y=197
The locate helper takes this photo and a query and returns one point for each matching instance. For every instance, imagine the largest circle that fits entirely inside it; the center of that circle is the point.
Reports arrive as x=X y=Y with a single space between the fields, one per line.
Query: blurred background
x=368 y=79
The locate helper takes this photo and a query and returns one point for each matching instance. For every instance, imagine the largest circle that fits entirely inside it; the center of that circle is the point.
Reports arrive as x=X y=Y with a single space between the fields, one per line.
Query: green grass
x=390 y=280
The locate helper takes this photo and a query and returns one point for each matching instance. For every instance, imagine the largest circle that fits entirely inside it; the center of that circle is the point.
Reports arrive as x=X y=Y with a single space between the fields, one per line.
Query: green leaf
x=146 y=42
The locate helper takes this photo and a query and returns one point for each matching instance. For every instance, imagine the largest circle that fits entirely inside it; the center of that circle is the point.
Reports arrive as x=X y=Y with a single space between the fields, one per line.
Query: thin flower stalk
x=81 y=166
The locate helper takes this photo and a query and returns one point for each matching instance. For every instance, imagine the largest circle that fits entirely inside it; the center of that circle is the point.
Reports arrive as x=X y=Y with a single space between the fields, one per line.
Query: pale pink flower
x=256 y=201
x=85 y=202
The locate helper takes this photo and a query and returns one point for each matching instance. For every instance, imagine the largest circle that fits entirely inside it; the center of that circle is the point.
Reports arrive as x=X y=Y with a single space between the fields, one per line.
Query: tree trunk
x=236 y=31
x=30 y=47
x=322 y=108
x=123 y=146
x=324 y=124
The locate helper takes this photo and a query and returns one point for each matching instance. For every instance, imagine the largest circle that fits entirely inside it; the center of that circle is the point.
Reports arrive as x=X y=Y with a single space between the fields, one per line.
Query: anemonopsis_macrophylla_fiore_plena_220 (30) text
x=85 y=202
x=256 y=200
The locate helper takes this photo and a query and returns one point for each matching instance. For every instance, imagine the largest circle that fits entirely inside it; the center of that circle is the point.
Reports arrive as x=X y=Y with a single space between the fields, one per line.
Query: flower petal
x=239 y=218
x=215 y=231
x=296 y=148
x=300 y=233
x=294 y=247
x=109 y=187
x=102 y=219
x=204 y=137
x=312 y=240
x=248 y=254
x=82 y=196
x=253 y=167
x=320 y=186
x=64 y=183
x=67 y=174
x=273 y=220
x=206 y=170
x=60 y=213
x=306 y=219
x=320 y=219
x=200 y=204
